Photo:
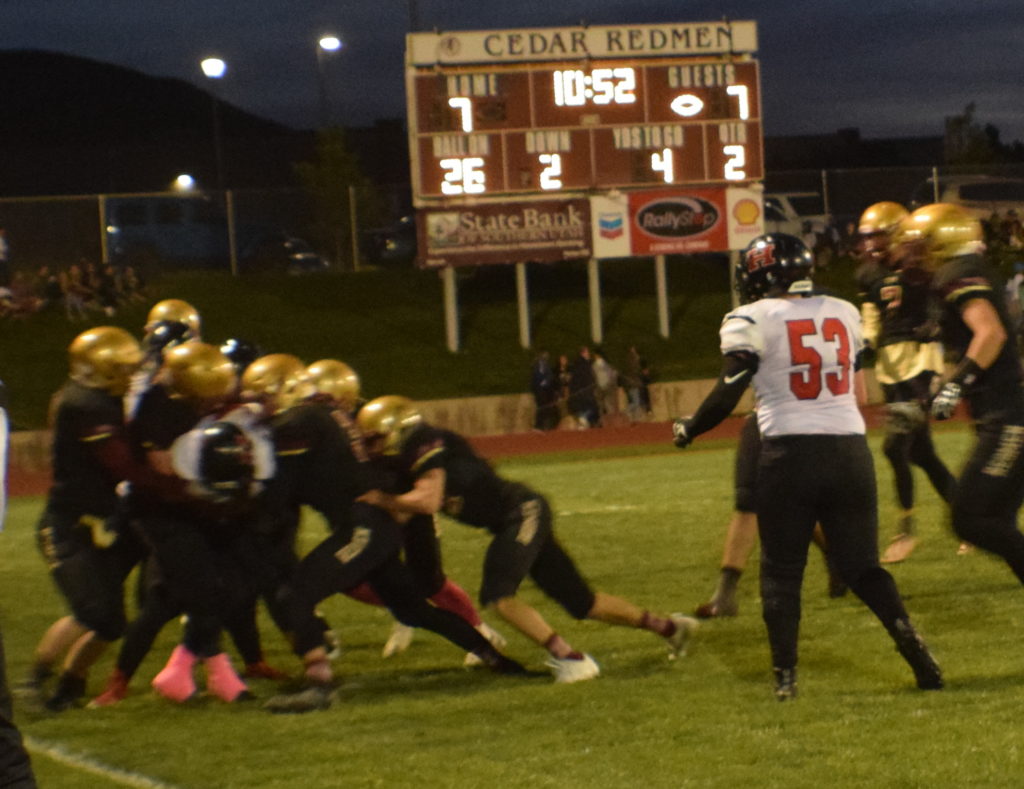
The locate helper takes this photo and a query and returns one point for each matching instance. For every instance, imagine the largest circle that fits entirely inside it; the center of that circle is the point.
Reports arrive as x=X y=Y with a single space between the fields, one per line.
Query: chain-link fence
x=252 y=230
x=244 y=230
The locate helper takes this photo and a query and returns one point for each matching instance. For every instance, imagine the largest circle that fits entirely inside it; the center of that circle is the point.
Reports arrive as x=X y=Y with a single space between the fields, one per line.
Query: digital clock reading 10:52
x=514 y=129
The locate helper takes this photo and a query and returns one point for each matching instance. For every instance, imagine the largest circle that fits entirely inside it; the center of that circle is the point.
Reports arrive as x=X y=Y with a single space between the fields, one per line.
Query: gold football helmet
x=335 y=380
x=198 y=371
x=389 y=420
x=178 y=311
x=104 y=358
x=881 y=218
x=942 y=231
x=278 y=379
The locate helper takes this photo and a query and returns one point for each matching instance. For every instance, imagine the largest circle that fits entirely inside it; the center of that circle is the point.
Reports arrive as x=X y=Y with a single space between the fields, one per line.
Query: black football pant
x=367 y=551
x=808 y=479
x=905 y=447
x=990 y=491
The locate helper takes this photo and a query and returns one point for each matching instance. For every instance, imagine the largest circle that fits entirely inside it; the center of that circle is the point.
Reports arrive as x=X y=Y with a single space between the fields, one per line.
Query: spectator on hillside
x=106 y=290
x=582 y=398
x=544 y=385
x=74 y=293
x=46 y=287
x=606 y=385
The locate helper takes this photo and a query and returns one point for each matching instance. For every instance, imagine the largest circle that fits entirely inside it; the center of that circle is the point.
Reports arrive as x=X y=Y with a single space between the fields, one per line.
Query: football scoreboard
x=547 y=112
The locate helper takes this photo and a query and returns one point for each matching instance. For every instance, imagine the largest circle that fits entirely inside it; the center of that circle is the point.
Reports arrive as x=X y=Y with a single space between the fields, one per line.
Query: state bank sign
x=675 y=221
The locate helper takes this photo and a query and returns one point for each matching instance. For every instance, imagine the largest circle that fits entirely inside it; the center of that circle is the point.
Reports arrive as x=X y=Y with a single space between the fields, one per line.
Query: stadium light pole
x=327 y=45
x=215 y=69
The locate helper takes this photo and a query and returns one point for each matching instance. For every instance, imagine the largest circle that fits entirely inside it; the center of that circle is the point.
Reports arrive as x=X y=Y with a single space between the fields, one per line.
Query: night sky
x=896 y=68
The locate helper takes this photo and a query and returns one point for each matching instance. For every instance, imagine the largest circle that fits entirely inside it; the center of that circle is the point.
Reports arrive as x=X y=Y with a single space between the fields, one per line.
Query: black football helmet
x=770 y=264
x=162 y=335
x=241 y=352
x=226 y=465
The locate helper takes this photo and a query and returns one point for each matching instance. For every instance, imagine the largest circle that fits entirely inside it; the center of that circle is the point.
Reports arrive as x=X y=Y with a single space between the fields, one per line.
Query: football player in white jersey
x=799 y=349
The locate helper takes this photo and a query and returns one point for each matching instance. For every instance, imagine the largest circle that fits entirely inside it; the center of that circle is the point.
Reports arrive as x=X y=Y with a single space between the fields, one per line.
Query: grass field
x=647 y=526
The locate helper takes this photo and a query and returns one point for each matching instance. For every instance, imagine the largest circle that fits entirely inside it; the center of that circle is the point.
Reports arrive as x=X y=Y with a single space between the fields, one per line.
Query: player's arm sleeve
x=738 y=368
x=871 y=321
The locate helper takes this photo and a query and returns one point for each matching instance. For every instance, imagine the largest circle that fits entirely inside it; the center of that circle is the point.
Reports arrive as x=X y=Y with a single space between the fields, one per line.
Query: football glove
x=945 y=402
x=681 y=433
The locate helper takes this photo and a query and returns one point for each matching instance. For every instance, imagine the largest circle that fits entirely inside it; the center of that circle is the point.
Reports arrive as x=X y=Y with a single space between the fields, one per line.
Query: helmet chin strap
x=802 y=287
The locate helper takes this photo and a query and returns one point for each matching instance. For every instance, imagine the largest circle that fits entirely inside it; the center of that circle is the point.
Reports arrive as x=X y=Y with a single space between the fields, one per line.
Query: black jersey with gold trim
x=998 y=388
x=473 y=493
x=84 y=420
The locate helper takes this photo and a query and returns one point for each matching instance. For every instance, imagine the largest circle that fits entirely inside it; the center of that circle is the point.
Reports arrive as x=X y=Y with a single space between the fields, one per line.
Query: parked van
x=789 y=212
x=982 y=195
x=191 y=231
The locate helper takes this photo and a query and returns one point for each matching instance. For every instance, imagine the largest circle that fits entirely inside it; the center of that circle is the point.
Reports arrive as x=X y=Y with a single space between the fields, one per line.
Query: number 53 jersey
x=806 y=348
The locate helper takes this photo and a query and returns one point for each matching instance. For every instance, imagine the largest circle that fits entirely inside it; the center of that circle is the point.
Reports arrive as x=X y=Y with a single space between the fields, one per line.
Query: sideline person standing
x=799 y=349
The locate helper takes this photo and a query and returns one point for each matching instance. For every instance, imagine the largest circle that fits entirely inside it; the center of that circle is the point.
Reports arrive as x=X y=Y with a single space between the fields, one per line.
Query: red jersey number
x=806 y=384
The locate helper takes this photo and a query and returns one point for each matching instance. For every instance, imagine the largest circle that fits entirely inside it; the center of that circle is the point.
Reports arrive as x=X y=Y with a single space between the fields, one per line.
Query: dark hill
x=73 y=125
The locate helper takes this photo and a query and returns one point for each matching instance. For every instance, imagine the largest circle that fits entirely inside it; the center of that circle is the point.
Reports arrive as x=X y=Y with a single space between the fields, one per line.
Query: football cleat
x=175 y=680
x=899 y=549
x=716 y=607
x=399 y=640
x=311 y=699
x=116 y=691
x=913 y=649
x=678 y=642
x=568 y=670
x=785 y=683
x=222 y=680
x=67 y=694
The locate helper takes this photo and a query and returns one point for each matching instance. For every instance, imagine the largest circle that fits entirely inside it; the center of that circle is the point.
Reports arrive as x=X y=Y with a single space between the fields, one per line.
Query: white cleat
x=568 y=670
x=398 y=641
x=679 y=641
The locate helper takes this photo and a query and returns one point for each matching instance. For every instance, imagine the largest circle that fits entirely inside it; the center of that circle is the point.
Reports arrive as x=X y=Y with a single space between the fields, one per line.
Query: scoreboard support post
x=451 y=308
x=523 y=301
x=594 y=288
x=662 y=286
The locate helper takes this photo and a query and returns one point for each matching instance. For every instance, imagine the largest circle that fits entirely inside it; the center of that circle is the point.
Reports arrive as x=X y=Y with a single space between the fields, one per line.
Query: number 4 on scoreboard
x=663 y=162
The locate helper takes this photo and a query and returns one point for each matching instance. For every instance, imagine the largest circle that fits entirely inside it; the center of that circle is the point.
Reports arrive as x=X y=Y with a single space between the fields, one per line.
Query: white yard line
x=599 y=510
x=59 y=753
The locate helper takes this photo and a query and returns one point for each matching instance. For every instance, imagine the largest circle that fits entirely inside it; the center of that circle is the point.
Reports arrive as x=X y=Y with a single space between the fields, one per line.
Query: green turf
x=647 y=526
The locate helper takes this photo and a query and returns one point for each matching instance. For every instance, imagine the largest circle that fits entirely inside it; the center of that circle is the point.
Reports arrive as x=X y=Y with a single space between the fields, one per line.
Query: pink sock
x=221 y=679
x=452 y=597
x=175 y=680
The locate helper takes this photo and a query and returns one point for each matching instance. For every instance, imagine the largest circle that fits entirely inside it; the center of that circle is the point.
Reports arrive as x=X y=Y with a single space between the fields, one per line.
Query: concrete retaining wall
x=471 y=416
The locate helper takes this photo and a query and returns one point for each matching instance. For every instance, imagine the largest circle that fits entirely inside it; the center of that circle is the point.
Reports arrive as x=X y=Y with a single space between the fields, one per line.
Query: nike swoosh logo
x=731 y=379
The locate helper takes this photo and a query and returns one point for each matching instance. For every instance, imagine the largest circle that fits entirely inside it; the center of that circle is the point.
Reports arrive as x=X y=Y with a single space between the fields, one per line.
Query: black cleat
x=785 y=684
x=915 y=652
x=70 y=690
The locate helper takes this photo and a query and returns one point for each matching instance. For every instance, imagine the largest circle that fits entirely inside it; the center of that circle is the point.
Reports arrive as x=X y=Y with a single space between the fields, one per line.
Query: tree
x=969 y=142
x=333 y=178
